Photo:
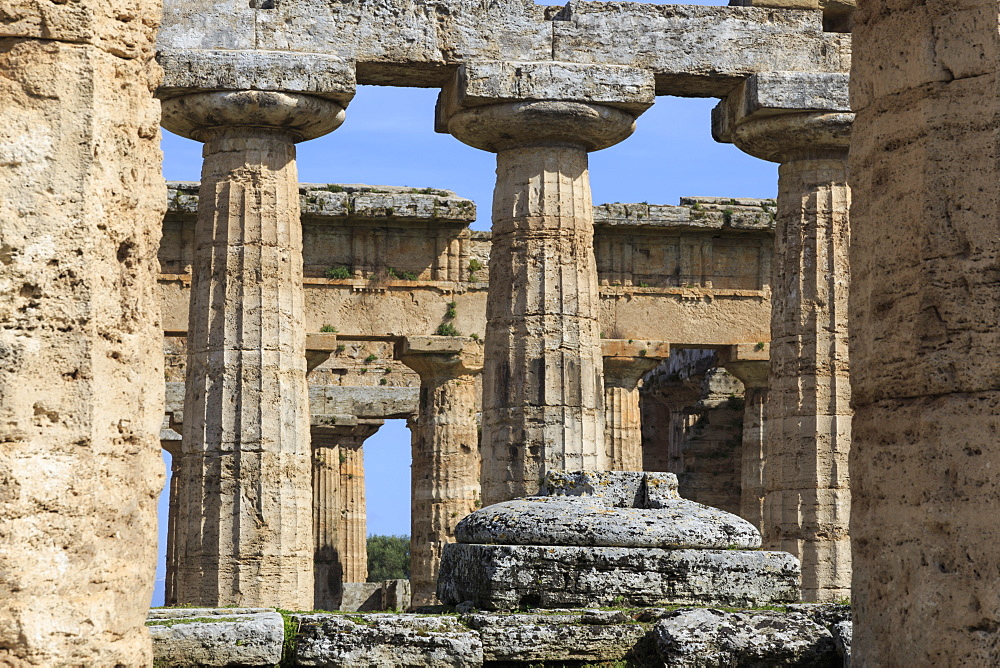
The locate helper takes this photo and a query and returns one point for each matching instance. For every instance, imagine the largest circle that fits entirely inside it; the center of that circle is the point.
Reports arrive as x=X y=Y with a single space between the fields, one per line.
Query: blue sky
x=388 y=139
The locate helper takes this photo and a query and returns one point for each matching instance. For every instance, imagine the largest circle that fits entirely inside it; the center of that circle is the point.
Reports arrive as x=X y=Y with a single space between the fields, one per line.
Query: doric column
x=245 y=521
x=542 y=379
x=446 y=461
x=81 y=364
x=173 y=447
x=330 y=514
x=925 y=167
x=751 y=364
x=808 y=500
x=625 y=363
x=354 y=517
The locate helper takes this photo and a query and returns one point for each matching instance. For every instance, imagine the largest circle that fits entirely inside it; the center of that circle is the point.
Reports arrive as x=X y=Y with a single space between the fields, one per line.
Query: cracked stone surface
x=216 y=636
x=707 y=638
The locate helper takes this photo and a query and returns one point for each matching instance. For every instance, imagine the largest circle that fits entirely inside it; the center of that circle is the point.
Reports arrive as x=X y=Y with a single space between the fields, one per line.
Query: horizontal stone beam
x=330 y=403
x=772 y=93
x=693 y=51
x=341 y=201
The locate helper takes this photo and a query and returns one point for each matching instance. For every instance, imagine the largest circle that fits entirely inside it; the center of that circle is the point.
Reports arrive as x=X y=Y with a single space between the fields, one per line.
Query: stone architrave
x=751 y=365
x=625 y=363
x=446 y=460
x=81 y=370
x=543 y=395
x=924 y=295
x=802 y=122
x=244 y=528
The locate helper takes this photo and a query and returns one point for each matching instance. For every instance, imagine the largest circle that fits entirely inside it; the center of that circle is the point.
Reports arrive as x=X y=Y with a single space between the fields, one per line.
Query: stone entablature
x=695 y=273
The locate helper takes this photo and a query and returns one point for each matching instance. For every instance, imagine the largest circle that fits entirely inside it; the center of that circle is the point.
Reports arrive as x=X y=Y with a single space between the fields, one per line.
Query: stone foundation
x=815 y=635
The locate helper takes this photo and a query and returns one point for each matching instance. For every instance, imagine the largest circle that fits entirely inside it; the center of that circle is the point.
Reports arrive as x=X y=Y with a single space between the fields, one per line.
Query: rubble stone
x=707 y=638
x=377 y=640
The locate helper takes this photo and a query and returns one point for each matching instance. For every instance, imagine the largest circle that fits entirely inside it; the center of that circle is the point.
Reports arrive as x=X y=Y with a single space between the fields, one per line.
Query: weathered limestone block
x=592 y=636
x=542 y=379
x=694 y=50
x=544 y=520
x=843 y=634
x=81 y=373
x=385 y=640
x=610 y=537
x=507 y=577
x=625 y=363
x=246 y=425
x=216 y=637
x=707 y=638
x=446 y=460
x=807 y=500
x=923 y=327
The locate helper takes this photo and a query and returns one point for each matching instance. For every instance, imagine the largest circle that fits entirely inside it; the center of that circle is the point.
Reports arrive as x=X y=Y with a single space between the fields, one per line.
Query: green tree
x=388 y=558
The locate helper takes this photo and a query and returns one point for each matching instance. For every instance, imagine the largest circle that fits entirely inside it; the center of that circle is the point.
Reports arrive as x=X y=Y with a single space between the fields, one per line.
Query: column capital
x=498 y=105
x=626 y=361
x=349 y=431
x=202 y=115
x=751 y=363
x=785 y=116
x=441 y=356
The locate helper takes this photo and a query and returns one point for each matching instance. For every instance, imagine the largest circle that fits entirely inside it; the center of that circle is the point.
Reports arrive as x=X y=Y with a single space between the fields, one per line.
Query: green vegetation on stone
x=337 y=273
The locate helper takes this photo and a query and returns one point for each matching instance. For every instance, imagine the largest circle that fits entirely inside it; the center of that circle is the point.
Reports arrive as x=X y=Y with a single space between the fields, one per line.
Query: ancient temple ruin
x=266 y=413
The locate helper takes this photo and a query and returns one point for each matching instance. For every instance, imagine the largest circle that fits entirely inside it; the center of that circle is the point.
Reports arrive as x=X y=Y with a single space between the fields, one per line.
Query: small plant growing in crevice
x=452 y=311
x=328 y=329
x=371 y=358
x=759 y=346
x=474 y=266
x=727 y=216
x=334 y=188
x=383 y=381
x=474 y=336
x=341 y=348
x=447 y=329
x=337 y=273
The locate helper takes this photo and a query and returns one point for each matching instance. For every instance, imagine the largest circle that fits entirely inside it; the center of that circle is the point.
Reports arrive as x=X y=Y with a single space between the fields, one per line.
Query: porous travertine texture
x=753 y=373
x=81 y=373
x=542 y=392
x=706 y=638
x=446 y=461
x=245 y=527
x=923 y=304
x=590 y=636
x=843 y=635
x=354 y=516
x=543 y=399
x=625 y=363
x=332 y=449
x=505 y=577
x=807 y=497
x=546 y=520
x=216 y=637
x=385 y=640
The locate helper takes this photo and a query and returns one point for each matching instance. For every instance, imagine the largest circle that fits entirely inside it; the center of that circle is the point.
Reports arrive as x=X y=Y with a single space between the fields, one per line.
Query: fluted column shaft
x=244 y=530
x=622 y=413
x=354 y=527
x=446 y=457
x=327 y=570
x=543 y=397
x=807 y=496
x=170 y=579
x=753 y=373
